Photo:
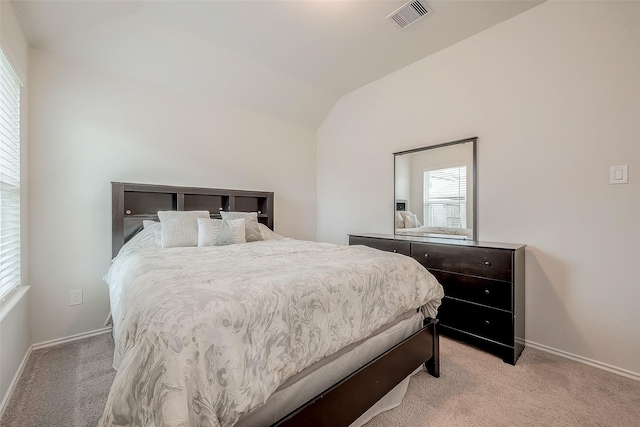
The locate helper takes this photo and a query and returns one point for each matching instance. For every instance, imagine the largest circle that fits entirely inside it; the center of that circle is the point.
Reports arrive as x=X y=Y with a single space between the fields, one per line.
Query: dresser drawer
x=396 y=246
x=484 y=262
x=475 y=289
x=486 y=322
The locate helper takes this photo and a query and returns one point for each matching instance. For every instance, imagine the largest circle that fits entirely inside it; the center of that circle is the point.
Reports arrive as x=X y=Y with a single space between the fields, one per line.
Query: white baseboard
x=76 y=337
x=586 y=361
x=14 y=382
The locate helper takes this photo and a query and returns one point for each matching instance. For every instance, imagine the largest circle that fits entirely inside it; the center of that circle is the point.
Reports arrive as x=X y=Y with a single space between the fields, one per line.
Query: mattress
x=313 y=380
x=206 y=335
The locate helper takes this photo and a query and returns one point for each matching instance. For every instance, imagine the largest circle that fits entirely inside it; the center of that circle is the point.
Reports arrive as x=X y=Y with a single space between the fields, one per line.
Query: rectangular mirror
x=435 y=191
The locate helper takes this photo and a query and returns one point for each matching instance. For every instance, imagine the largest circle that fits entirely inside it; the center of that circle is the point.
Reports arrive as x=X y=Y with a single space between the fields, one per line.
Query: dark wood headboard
x=133 y=203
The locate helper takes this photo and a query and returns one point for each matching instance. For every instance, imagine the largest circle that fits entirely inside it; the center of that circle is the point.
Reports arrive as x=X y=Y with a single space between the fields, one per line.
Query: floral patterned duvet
x=207 y=334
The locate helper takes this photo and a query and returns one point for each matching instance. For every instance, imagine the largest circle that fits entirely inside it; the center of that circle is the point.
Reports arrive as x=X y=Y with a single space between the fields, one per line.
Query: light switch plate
x=619 y=174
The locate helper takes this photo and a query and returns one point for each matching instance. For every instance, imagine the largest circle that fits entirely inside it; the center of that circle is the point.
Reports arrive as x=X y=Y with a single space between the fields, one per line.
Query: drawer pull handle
x=487 y=263
x=426 y=255
x=486 y=322
x=395 y=251
x=487 y=292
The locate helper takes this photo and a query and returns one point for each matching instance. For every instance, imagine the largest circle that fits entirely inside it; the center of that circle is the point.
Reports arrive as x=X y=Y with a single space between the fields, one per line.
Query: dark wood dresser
x=483 y=285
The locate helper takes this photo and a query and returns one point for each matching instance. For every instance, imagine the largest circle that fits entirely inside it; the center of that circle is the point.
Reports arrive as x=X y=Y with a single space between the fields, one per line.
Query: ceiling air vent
x=409 y=13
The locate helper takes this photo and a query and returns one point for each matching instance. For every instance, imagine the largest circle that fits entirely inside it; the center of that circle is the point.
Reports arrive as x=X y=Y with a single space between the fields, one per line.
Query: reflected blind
x=445 y=197
x=9 y=177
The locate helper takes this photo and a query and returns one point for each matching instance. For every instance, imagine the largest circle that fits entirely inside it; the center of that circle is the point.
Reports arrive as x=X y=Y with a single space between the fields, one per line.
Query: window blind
x=9 y=177
x=445 y=197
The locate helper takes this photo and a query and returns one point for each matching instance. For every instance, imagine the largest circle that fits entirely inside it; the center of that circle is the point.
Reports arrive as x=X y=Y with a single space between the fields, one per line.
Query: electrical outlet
x=75 y=297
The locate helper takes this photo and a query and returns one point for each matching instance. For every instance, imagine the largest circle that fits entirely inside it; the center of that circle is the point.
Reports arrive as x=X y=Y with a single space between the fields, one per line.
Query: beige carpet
x=63 y=386
x=478 y=389
x=67 y=385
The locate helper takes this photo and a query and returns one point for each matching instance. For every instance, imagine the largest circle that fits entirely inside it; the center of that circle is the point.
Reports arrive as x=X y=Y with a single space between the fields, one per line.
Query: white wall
x=15 y=340
x=554 y=95
x=90 y=126
x=15 y=335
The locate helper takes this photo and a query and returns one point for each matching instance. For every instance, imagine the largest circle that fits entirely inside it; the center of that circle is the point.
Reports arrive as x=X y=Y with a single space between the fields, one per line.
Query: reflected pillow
x=220 y=232
x=399 y=220
x=180 y=228
x=413 y=220
x=252 y=230
x=410 y=219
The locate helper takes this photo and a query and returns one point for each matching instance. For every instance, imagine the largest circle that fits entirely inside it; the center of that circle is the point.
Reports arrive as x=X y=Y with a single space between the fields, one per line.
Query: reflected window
x=445 y=197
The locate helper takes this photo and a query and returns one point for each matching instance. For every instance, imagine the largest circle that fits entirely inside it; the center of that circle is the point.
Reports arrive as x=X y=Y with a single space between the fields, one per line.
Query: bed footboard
x=433 y=364
x=344 y=402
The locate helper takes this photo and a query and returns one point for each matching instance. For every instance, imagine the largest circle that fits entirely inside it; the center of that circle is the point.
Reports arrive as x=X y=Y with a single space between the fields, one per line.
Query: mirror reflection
x=435 y=191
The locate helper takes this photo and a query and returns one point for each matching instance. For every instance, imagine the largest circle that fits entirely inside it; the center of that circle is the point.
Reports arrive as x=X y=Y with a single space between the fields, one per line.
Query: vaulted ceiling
x=288 y=59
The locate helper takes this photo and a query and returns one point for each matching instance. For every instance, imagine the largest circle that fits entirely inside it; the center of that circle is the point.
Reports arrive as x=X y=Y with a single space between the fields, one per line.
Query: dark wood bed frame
x=345 y=401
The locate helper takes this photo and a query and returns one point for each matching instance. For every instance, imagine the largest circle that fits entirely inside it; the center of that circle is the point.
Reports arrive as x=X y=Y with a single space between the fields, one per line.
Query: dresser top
x=440 y=241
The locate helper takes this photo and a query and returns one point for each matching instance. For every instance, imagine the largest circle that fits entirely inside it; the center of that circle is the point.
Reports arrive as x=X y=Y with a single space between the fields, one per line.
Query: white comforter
x=207 y=334
x=424 y=230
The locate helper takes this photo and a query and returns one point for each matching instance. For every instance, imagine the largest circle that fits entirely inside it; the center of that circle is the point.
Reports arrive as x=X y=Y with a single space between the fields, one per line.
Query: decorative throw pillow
x=399 y=220
x=268 y=234
x=155 y=225
x=180 y=228
x=403 y=214
x=414 y=220
x=252 y=230
x=219 y=232
x=410 y=219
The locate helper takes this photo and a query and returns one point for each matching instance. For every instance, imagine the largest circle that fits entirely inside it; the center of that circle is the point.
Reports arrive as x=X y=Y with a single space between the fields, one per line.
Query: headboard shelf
x=154 y=217
x=132 y=203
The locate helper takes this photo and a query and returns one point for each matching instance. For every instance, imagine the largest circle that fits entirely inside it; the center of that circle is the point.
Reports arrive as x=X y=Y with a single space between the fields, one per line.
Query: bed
x=465 y=233
x=408 y=224
x=272 y=332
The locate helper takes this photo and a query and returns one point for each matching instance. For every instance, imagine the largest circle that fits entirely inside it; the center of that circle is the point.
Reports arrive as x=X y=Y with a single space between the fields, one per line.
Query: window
x=445 y=197
x=9 y=178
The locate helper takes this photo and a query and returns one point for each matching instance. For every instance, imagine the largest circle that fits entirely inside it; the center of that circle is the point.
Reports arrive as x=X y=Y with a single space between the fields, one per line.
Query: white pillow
x=399 y=220
x=252 y=230
x=219 y=232
x=155 y=225
x=410 y=219
x=180 y=228
x=182 y=215
x=414 y=220
x=146 y=223
x=268 y=234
